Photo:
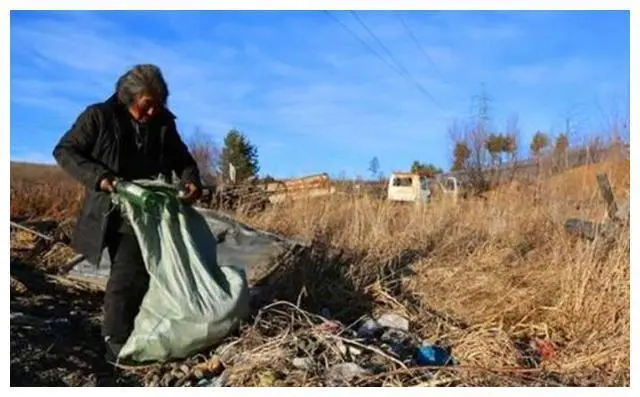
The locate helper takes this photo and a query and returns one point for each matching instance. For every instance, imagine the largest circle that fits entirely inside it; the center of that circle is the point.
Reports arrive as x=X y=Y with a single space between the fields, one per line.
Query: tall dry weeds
x=503 y=268
x=42 y=191
x=486 y=277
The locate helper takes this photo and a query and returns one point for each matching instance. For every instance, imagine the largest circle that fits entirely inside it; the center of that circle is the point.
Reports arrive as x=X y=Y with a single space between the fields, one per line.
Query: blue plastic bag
x=434 y=356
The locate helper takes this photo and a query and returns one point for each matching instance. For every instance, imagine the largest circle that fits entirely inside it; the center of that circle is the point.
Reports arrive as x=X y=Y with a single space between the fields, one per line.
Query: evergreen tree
x=240 y=152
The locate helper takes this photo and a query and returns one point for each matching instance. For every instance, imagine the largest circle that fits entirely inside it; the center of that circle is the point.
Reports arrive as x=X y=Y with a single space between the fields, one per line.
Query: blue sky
x=312 y=97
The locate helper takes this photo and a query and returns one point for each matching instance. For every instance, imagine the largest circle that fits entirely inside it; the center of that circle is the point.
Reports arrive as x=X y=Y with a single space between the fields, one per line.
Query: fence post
x=607 y=194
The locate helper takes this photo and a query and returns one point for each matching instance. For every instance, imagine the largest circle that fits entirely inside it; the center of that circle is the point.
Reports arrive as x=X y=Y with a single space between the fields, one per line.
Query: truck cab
x=409 y=187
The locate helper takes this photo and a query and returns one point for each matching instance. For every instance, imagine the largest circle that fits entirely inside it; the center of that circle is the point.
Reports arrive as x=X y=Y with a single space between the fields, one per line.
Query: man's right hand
x=106 y=185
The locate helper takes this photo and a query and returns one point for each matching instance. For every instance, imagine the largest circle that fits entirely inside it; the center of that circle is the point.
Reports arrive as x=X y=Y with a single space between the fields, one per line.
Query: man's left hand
x=191 y=193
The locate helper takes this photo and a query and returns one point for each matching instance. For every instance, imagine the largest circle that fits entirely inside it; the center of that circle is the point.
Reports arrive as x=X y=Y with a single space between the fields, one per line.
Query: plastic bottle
x=139 y=196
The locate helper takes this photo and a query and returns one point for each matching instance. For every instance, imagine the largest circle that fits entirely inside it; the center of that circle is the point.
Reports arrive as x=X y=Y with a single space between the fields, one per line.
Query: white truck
x=420 y=187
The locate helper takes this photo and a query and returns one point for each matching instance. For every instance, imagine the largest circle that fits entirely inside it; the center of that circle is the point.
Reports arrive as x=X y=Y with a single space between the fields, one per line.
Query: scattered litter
x=332 y=327
x=344 y=372
x=218 y=381
x=305 y=363
x=391 y=320
x=369 y=329
x=402 y=348
x=354 y=351
x=532 y=351
x=395 y=337
x=545 y=349
x=433 y=355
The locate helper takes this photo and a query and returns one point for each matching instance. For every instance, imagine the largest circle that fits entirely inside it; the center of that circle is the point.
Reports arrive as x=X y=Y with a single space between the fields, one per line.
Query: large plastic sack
x=192 y=302
x=239 y=245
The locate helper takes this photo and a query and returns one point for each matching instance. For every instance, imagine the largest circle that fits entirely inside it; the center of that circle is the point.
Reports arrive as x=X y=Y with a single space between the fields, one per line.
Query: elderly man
x=132 y=135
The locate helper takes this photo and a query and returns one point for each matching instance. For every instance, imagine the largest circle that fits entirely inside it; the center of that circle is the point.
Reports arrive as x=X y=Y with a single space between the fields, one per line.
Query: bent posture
x=132 y=135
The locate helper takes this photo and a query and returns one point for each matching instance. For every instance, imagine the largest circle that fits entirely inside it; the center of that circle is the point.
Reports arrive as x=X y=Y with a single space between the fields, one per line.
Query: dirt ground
x=55 y=333
x=55 y=325
x=56 y=341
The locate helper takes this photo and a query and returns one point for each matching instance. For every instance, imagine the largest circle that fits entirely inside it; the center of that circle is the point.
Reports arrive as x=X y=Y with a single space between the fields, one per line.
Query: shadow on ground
x=317 y=280
x=322 y=279
x=55 y=333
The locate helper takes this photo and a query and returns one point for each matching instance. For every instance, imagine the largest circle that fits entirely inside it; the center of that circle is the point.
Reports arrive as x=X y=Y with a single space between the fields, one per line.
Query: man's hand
x=106 y=185
x=191 y=194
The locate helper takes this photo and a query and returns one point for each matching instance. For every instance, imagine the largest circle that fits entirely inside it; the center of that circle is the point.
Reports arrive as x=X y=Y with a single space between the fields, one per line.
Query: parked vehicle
x=421 y=187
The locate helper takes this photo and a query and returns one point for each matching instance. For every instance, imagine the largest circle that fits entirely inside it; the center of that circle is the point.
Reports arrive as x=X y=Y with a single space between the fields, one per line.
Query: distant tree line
x=488 y=156
x=484 y=153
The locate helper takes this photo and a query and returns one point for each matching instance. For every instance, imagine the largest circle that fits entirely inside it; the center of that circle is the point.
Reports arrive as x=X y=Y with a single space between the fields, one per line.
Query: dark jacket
x=101 y=143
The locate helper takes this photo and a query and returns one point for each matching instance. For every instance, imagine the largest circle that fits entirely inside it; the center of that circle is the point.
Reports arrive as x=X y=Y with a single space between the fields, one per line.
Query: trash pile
x=288 y=346
x=388 y=334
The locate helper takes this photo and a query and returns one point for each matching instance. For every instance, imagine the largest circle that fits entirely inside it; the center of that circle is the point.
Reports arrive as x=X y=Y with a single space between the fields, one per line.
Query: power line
x=393 y=58
x=364 y=43
x=399 y=69
x=402 y=69
x=419 y=45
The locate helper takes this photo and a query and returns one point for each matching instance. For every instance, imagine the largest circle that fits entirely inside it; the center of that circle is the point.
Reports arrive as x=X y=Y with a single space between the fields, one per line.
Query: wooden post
x=607 y=194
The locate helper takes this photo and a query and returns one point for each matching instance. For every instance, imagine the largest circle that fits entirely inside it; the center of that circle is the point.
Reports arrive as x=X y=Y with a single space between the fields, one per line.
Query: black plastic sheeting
x=238 y=245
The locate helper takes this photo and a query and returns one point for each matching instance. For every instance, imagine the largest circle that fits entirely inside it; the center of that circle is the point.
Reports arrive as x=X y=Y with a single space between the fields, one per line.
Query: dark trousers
x=128 y=282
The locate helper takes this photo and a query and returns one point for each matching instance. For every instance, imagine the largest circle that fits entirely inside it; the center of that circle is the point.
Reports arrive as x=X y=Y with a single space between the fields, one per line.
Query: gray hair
x=140 y=80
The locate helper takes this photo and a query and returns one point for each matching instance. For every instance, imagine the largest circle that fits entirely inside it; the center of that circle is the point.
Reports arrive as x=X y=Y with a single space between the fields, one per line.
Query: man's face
x=144 y=108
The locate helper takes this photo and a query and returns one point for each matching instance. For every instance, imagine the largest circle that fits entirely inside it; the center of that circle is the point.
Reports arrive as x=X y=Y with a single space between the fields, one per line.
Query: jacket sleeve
x=182 y=162
x=73 y=151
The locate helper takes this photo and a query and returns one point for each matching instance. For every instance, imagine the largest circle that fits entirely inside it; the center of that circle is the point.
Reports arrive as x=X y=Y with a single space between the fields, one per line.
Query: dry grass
x=485 y=277
x=40 y=191
x=504 y=269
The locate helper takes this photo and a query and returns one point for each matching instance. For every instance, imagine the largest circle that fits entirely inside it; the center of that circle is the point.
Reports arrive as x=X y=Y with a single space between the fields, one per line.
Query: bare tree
x=476 y=140
x=470 y=154
x=561 y=152
x=615 y=119
x=207 y=154
x=616 y=126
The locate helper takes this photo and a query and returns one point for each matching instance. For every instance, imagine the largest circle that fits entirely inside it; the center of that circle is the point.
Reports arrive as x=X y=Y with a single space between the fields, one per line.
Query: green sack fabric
x=192 y=302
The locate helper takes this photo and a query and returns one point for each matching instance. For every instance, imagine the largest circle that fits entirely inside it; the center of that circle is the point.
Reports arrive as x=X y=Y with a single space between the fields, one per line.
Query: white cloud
x=303 y=79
